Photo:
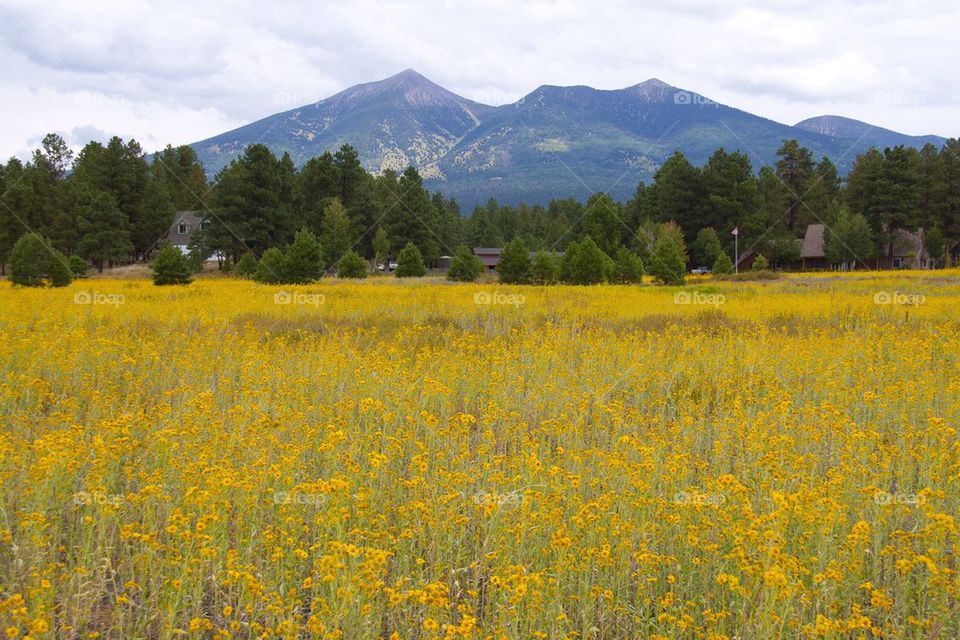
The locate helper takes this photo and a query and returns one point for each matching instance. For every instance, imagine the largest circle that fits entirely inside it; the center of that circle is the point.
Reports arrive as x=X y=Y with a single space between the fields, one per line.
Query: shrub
x=514 y=264
x=270 y=269
x=723 y=264
x=35 y=263
x=172 y=267
x=78 y=266
x=628 y=267
x=585 y=263
x=545 y=268
x=247 y=265
x=760 y=264
x=668 y=262
x=410 y=262
x=466 y=267
x=303 y=260
x=750 y=276
x=352 y=266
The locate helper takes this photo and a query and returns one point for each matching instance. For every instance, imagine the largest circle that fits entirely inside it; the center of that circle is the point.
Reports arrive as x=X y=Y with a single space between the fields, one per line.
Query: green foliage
x=78 y=266
x=337 y=237
x=270 y=269
x=668 y=260
x=247 y=265
x=171 y=267
x=935 y=244
x=760 y=264
x=303 y=260
x=545 y=268
x=410 y=262
x=381 y=246
x=706 y=248
x=352 y=265
x=628 y=267
x=465 y=267
x=602 y=222
x=104 y=230
x=848 y=239
x=35 y=263
x=514 y=264
x=585 y=263
x=723 y=265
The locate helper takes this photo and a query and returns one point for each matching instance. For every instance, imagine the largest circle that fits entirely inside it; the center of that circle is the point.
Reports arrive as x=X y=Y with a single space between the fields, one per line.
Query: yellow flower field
x=426 y=460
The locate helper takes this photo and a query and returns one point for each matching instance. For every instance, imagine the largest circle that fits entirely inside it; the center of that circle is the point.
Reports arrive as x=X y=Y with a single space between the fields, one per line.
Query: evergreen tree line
x=898 y=188
x=110 y=205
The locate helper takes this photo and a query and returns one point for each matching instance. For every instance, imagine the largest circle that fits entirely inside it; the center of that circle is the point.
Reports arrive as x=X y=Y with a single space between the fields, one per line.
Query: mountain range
x=554 y=142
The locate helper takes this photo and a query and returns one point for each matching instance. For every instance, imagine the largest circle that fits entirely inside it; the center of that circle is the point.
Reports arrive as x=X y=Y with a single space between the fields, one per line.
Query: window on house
x=898 y=263
x=182 y=228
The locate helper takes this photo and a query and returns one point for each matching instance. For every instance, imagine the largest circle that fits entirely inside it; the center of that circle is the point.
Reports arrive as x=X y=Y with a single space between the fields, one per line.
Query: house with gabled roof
x=185 y=224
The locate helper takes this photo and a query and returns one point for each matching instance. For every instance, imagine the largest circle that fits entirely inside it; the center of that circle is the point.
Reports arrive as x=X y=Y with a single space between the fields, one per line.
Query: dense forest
x=112 y=204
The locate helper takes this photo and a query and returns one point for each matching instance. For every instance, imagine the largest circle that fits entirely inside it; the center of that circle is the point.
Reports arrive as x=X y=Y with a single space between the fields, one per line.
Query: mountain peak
x=653 y=90
x=409 y=76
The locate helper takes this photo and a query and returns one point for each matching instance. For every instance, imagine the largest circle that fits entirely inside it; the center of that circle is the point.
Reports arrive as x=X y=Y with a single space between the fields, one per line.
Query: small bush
x=545 y=268
x=78 y=266
x=247 y=265
x=628 y=268
x=270 y=269
x=723 y=264
x=760 y=264
x=466 y=267
x=303 y=260
x=410 y=262
x=172 y=267
x=352 y=266
x=514 y=264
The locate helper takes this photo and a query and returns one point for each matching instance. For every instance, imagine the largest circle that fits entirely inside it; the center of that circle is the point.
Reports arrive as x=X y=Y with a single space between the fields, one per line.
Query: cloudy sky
x=177 y=72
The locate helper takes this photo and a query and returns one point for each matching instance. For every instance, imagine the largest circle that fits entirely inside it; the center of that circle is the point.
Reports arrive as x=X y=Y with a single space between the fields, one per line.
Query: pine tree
x=247 y=265
x=760 y=264
x=171 y=267
x=585 y=263
x=303 y=259
x=706 y=248
x=337 y=237
x=602 y=222
x=514 y=264
x=668 y=261
x=270 y=268
x=723 y=265
x=545 y=269
x=410 y=262
x=352 y=266
x=628 y=267
x=35 y=263
x=466 y=267
x=104 y=231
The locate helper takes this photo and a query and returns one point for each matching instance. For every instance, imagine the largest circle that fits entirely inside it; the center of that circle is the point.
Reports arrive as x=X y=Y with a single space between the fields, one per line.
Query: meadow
x=420 y=460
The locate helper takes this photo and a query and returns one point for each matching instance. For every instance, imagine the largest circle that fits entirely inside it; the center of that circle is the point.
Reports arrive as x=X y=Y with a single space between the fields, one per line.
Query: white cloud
x=178 y=72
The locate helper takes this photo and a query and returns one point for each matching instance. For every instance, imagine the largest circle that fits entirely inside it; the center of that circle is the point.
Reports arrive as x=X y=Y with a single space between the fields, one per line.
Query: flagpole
x=736 y=249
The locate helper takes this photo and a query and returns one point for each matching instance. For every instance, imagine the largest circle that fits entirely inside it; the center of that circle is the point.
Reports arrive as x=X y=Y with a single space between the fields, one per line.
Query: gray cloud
x=178 y=72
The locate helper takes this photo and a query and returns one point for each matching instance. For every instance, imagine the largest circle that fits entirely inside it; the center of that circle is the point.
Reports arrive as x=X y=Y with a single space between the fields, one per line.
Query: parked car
x=700 y=271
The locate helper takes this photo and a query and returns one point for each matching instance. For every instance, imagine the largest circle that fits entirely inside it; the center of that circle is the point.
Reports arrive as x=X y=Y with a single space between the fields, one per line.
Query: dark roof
x=192 y=220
